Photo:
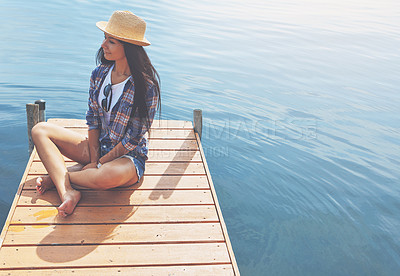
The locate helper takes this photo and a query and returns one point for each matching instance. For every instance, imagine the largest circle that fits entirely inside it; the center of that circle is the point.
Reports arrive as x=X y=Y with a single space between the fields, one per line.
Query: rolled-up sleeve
x=92 y=114
x=136 y=128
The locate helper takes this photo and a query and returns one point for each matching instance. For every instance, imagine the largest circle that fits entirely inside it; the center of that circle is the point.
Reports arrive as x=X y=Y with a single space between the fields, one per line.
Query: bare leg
x=44 y=183
x=119 y=172
x=50 y=140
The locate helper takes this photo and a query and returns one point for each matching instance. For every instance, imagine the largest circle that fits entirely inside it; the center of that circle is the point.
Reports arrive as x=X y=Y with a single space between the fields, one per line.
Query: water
x=300 y=104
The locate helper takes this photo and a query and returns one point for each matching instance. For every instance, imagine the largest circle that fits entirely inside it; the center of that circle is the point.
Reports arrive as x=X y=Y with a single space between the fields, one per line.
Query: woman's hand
x=90 y=165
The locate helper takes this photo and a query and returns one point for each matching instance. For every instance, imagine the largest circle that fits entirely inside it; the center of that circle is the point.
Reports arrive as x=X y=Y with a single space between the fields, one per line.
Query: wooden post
x=198 y=121
x=32 y=118
x=42 y=108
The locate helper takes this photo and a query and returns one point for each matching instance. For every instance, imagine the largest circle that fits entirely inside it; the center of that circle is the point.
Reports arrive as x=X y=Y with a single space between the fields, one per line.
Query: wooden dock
x=169 y=224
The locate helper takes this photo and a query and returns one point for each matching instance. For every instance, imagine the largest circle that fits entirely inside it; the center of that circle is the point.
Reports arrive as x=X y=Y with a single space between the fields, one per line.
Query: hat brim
x=102 y=26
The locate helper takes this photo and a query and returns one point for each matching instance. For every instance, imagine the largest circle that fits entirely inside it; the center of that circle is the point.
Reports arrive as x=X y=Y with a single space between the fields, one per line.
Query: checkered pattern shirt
x=131 y=132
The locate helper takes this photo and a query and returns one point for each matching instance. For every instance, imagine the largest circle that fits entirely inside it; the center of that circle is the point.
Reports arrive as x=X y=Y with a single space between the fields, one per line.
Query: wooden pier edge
x=35 y=113
x=16 y=198
x=196 y=140
x=219 y=212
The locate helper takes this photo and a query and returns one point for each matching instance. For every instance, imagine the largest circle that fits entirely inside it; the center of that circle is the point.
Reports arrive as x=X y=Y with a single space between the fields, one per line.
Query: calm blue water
x=301 y=114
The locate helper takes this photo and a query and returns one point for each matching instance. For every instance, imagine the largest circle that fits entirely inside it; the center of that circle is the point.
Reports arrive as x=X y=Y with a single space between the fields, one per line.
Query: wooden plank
x=151 y=168
x=113 y=255
x=153 y=182
x=117 y=197
x=163 y=156
x=157 y=133
x=211 y=269
x=172 y=124
x=173 y=156
x=113 y=234
x=218 y=208
x=179 y=124
x=174 y=182
x=113 y=214
x=173 y=144
x=174 y=169
x=16 y=198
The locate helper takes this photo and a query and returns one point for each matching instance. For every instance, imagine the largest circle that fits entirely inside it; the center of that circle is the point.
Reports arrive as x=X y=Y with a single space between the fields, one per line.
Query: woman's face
x=113 y=49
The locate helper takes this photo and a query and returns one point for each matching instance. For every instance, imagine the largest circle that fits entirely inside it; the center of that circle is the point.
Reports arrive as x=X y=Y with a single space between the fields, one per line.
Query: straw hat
x=125 y=26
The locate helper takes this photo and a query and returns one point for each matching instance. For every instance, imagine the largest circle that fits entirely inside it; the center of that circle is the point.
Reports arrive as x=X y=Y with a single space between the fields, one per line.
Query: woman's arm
x=94 y=123
x=94 y=145
x=94 y=148
x=92 y=114
x=116 y=152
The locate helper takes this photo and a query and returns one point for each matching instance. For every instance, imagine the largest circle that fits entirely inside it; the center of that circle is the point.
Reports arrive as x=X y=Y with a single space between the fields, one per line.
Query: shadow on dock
x=86 y=228
x=172 y=169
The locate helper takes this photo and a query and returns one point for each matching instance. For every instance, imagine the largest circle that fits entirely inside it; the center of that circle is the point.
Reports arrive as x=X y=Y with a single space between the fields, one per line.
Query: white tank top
x=116 y=90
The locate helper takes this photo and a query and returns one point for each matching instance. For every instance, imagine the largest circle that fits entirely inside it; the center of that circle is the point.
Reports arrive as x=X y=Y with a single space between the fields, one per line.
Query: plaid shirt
x=131 y=132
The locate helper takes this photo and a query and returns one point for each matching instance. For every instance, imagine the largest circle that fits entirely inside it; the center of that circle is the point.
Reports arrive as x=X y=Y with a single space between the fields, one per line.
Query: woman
x=124 y=95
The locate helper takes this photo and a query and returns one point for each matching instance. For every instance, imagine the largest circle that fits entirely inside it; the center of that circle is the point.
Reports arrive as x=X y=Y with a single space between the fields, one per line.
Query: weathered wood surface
x=114 y=255
x=206 y=270
x=168 y=224
x=190 y=168
x=159 y=156
x=121 y=198
x=113 y=234
x=153 y=182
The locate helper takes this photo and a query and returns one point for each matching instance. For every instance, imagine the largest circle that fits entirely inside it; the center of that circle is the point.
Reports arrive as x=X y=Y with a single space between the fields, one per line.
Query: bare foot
x=70 y=199
x=44 y=183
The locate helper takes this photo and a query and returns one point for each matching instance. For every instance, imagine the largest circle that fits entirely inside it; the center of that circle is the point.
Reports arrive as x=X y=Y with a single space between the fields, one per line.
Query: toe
x=39 y=181
x=61 y=211
x=38 y=188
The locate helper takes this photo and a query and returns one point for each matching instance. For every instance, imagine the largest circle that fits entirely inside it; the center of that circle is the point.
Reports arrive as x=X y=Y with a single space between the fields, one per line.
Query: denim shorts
x=138 y=161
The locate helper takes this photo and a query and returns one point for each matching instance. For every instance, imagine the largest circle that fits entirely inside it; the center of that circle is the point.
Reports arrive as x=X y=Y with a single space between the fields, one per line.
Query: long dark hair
x=143 y=74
